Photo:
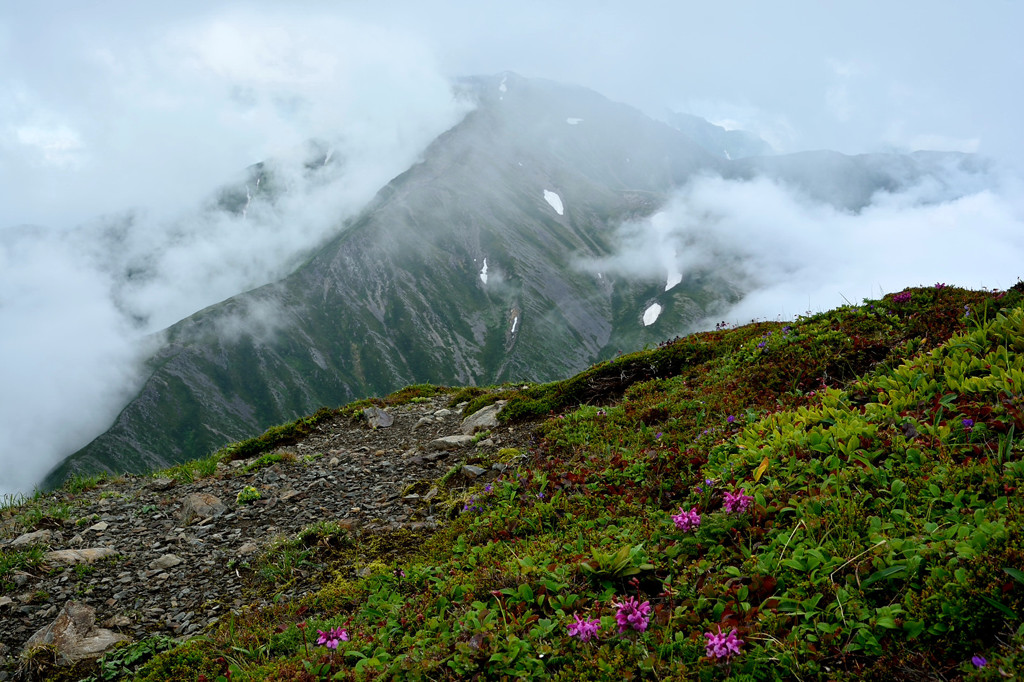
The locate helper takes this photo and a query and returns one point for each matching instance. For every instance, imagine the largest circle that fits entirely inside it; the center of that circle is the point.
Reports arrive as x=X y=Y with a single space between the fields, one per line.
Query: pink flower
x=737 y=502
x=721 y=645
x=686 y=520
x=632 y=614
x=585 y=629
x=331 y=638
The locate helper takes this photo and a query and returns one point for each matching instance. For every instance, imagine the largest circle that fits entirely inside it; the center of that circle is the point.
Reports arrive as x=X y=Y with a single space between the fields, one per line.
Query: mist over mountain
x=718 y=140
x=549 y=229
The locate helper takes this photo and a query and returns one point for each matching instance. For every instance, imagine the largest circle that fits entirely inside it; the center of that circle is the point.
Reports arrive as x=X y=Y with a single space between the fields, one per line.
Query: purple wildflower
x=731 y=418
x=979 y=661
x=721 y=645
x=632 y=614
x=902 y=297
x=968 y=424
x=583 y=628
x=686 y=520
x=737 y=502
x=331 y=638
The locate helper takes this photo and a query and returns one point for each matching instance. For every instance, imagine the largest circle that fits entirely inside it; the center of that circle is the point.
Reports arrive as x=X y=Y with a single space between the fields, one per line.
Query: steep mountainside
x=462 y=270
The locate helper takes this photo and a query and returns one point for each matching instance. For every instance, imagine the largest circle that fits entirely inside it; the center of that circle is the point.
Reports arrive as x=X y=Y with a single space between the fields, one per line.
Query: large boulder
x=378 y=418
x=74 y=634
x=484 y=419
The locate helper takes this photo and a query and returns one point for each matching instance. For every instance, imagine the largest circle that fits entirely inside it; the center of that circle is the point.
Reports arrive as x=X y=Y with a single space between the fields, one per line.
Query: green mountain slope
x=832 y=499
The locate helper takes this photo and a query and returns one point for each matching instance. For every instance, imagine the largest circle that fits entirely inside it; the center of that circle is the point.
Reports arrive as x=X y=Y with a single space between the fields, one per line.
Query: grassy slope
x=883 y=538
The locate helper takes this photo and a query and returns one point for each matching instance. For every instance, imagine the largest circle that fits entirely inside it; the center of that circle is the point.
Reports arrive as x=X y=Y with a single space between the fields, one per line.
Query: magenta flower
x=737 y=503
x=721 y=645
x=585 y=629
x=331 y=638
x=686 y=520
x=903 y=297
x=632 y=614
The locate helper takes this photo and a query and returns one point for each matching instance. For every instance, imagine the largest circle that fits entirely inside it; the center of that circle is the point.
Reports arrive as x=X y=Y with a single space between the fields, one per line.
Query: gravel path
x=174 y=549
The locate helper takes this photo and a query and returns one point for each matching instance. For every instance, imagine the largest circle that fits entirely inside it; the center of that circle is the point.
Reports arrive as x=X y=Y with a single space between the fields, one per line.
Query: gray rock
x=442 y=413
x=161 y=483
x=74 y=634
x=471 y=471
x=378 y=418
x=79 y=556
x=99 y=527
x=165 y=562
x=200 y=505
x=423 y=421
x=40 y=537
x=248 y=548
x=450 y=443
x=118 y=621
x=484 y=419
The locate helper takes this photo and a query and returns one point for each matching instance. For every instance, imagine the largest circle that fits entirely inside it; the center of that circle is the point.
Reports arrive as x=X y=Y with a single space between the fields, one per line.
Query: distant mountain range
x=463 y=270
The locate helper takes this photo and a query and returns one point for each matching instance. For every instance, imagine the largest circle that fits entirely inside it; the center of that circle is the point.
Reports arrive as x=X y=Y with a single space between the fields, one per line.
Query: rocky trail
x=139 y=556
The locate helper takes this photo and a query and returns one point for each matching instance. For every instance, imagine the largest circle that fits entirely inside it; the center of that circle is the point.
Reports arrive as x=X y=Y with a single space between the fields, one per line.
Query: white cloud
x=58 y=146
x=67 y=359
x=789 y=256
x=126 y=176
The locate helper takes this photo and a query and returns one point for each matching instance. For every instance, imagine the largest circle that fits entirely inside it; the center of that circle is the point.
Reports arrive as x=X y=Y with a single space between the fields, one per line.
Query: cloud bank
x=334 y=108
x=789 y=255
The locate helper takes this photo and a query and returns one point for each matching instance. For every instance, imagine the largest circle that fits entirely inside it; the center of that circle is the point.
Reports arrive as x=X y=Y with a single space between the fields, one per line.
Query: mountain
x=718 y=140
x=463 y=269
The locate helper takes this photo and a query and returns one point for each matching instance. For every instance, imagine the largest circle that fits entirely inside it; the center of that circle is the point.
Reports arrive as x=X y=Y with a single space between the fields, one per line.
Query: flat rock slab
x=40 y=537
x=450 y=443
x=74 y=634
x=165 y=562
x=79 y=556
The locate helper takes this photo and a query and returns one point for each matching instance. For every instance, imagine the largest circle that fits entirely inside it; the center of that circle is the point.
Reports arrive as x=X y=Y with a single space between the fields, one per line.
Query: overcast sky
x=110 y=106
x=102 y=103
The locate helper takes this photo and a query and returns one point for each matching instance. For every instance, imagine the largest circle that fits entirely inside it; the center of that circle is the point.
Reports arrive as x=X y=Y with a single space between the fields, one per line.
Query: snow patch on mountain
x=483 y=272
x=555 y=201
x=651 y=314
x=515 y=323
x=574 y=121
